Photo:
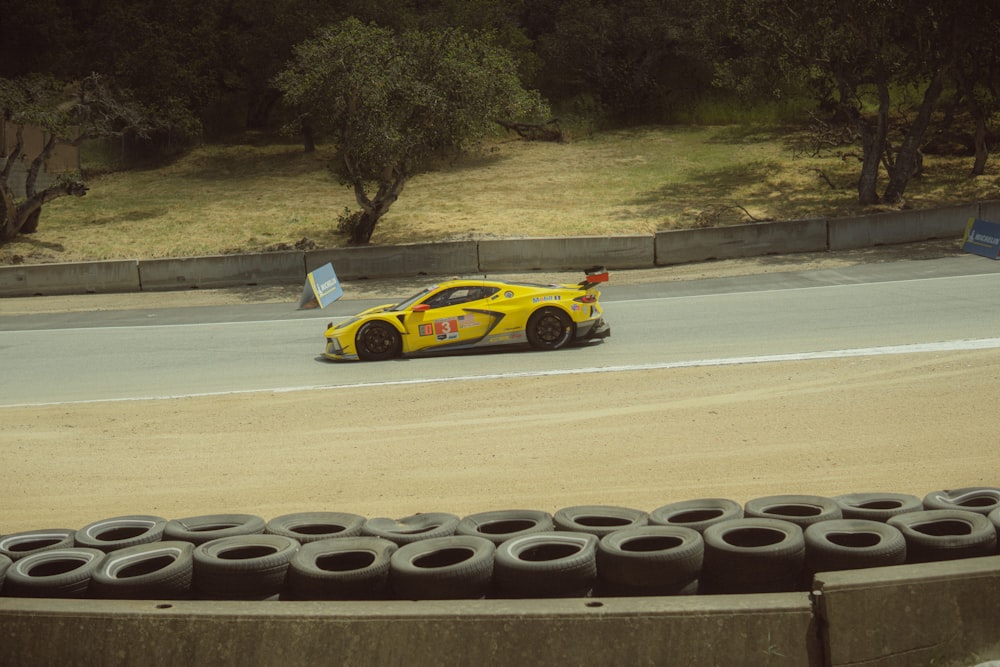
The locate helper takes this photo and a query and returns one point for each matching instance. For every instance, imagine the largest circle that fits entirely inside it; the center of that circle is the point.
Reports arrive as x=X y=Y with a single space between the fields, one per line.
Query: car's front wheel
x=377 y=341
x=549 y=329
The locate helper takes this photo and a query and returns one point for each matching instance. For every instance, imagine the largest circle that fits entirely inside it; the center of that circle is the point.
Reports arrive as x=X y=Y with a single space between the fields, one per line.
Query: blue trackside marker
x=982 y=238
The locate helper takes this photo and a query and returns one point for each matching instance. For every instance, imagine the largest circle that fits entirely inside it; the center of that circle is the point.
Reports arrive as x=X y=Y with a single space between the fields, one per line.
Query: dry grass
x=249 y=197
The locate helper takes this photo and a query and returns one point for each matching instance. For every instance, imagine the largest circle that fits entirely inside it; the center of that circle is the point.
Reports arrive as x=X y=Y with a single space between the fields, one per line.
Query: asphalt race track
x=941 y=304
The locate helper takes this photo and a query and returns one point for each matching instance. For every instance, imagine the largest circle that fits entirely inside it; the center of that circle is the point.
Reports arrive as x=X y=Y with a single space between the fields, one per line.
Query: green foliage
x=392 y=101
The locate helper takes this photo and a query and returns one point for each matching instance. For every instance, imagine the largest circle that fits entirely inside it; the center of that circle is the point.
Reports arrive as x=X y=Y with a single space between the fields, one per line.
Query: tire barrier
x=456 y=567
x=201 y=529
x=546 y=565
x=314 y=526
x=800 y=510
x=243 y=567
x=412 y=528
x=852 y=544
x=753 y=555
x=120 y=532
x=977 y=499
x=157 y=570
x=341 y=568
x=19 y=545
x=703 y=546
x=53 y=573
x=502 y=525
x=935 y=535
x=651 y=560
x=598 y=520
x=877 y=506
x=696 y=514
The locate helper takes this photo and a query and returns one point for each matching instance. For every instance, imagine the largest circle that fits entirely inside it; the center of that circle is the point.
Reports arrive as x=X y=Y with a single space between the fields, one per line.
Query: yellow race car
x=464 y=314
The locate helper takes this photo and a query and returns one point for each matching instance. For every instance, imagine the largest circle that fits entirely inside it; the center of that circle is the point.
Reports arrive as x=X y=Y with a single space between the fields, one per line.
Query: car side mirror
x=420 y=307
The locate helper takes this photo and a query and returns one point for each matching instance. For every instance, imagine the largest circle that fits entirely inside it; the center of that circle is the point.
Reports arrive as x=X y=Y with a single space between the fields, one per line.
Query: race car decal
x=446 y=329
x=426 y=329
x=550 y=297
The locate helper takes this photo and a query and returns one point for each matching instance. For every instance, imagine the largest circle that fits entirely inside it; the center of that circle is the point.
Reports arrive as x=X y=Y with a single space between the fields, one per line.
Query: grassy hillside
x=258 y=195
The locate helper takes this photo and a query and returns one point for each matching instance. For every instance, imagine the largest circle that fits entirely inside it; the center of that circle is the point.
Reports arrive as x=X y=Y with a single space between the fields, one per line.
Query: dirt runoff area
x=902 y=423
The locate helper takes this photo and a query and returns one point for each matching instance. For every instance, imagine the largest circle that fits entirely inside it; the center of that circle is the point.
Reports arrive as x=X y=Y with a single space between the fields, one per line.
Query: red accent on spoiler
x=597 y=277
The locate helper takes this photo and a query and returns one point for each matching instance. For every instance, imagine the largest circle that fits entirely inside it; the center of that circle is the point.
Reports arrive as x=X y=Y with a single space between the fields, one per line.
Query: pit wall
x=496 y=255
x=942 y=613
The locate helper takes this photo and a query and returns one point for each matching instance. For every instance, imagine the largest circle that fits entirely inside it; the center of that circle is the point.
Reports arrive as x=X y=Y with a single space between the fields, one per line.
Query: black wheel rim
x=550 y=329
x=378 y=341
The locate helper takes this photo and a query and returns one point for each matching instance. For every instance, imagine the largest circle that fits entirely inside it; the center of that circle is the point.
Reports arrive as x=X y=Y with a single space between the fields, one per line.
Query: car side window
x=458 y=295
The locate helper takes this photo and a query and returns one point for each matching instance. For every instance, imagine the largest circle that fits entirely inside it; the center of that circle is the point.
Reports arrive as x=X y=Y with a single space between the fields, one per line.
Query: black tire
x=936 y=535
x=308 y=527
x=242 y=567
x=121 y=532
x=412 y=528
x=4 y=564
x=501 y=525
x=981 y=499
x=877 y=506
x=752 y=555
x=852 y=544
x=598 y=520
x=652 y=560
x=341 y=568
x=157 y=570
x=459 y=567
x=546 y=565
x=377 y=341
x=18 y=545
x=200 y=529
x=549 y=329
x=801 y=510
x=53 y=573
x=696 y=514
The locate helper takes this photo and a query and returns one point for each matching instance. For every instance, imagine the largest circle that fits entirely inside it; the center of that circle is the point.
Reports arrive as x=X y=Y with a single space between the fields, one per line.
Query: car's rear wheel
x=377 y=341
x=549 y=329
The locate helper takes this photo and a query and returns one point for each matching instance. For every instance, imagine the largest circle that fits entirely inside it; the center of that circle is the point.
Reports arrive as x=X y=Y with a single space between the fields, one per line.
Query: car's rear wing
x=595 y=275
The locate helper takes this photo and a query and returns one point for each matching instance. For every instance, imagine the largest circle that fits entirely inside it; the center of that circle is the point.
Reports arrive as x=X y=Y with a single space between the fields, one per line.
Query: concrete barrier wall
x=494 y=256
x=899 y=227
x=719 y=630
x=566 y=254
x=77 y=278
x=989 y=210
x=767 y=238
x=267 y=268
x=450 y=258
x=942 y=613
x=945 y=613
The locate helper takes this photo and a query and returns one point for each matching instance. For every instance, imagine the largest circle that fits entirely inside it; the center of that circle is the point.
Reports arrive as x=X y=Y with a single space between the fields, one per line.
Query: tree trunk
x=373 y=208
x=873 y=138
x=909 y=157
x=982 y=151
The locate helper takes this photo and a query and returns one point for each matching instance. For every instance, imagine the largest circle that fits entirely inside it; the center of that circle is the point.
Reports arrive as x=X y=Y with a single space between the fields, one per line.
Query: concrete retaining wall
x=937 y=613
x=899 y=227
x=945 y=613
x=497 y=256
x=267 y=268
x=451 y=258
x=766 y=238
x=78 y=278
x=562 y=254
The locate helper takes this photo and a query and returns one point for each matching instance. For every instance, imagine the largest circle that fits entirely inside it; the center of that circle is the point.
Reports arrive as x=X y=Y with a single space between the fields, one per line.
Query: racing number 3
x=446 y=328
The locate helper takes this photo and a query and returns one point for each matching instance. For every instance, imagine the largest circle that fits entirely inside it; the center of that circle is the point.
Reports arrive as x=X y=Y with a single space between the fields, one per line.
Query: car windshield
x=403 y=305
